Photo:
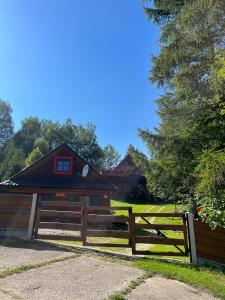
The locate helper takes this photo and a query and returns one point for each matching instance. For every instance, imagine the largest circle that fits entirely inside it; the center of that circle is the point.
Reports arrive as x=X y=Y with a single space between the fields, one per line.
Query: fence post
x=32 y=216
x=191 y=235
x=84 y=224
x=37 y=218
x=133 y=234
x=130 y=225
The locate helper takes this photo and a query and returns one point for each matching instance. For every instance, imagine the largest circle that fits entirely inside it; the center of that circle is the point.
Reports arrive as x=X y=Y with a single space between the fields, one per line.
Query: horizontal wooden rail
x=158 y=215
x=107 y=245
x=106 y=208
x=161 y=241
x=58 y=213
x=62 y=204
x=62 y=226
x=59 y=237
x=108 y=233
x=160 y=227
x=106 y=219
x=143 y=252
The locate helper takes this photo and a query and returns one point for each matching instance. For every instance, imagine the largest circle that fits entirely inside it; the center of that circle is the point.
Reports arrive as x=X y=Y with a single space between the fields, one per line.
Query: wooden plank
x=14 y=225
x=106 y=219
x=141 y=252
x=107 y=245
x=161 y=241
x=107 y=208
x=214 y=235
x=108 y=233
x=56 y=225
x=12 y=217
x=210 y=252
x=160 y=227
x=59 y=237
x=14 y=209
x=62 y=203
x=58 y=213
x=159 y=215
x=203 y=226
x=209 y=242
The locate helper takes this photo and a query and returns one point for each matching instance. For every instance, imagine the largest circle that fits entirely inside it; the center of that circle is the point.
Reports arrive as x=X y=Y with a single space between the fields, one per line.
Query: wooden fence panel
x=210 y=244
x=15 y=211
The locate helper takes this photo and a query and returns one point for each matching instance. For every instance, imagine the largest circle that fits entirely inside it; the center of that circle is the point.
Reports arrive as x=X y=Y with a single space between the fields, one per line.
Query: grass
x=209 y=279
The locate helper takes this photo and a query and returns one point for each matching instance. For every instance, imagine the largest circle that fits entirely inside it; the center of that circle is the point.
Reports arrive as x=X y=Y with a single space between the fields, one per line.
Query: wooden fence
x=210 y=244
x=94 y=215
x=95 y=222
x=160 y=238
x=64 y=216
x=14 y=214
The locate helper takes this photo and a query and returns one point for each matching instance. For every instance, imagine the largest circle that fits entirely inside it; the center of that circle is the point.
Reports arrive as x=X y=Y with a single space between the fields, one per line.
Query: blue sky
x=87 y=60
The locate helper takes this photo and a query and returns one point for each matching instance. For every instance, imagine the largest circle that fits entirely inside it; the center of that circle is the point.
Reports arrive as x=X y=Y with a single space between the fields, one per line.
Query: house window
x=63 y=165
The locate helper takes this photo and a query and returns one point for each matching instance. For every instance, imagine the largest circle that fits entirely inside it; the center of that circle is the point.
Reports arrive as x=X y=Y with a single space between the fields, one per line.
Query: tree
x=6 y=123
x=190 y=69
x=111 y=158
x=30 y=131
x=12 y=160
x=33 y=156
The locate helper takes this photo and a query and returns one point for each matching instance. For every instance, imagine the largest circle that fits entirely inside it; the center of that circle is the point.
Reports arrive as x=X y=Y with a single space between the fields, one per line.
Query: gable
x=41 y=174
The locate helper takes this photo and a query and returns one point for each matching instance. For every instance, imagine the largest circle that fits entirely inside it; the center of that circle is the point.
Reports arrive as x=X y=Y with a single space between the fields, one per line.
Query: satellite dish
x=85 y=170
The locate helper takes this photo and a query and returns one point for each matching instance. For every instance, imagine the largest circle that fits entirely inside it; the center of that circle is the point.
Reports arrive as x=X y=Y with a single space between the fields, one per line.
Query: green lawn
x=206 y=278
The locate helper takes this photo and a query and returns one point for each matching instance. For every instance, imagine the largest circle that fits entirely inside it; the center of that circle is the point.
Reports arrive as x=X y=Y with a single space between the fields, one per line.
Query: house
x=61 y=175
x=129 y=180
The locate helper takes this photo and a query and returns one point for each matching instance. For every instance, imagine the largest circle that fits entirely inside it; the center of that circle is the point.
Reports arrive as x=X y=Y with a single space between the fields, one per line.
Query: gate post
x=133 y=234
x=32 y=216
x=130 y=226
x=191 y=235
x=84 y=224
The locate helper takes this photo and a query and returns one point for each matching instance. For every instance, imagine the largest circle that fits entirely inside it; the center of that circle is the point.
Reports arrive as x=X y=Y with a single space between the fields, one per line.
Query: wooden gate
x=88 y=224
x=103 y=222
x=62 y=216
x=154 y=233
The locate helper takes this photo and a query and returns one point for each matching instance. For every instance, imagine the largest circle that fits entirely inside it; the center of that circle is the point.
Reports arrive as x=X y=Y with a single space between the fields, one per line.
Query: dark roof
x=40 y=175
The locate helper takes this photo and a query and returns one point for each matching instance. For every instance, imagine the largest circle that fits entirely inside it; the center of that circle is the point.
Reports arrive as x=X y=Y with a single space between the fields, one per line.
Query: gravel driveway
x=83 y=278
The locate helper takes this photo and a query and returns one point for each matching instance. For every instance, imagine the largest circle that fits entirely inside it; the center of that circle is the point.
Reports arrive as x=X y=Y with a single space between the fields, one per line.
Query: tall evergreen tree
x=192 y=44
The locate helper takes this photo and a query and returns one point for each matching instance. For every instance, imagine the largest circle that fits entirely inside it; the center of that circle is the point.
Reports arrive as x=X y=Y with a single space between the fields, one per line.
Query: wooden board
x=108 y=233
x=161 y=241
x=106 y=219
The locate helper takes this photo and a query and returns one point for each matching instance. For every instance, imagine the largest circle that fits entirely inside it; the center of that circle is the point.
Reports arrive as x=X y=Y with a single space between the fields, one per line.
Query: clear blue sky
x=88 y=60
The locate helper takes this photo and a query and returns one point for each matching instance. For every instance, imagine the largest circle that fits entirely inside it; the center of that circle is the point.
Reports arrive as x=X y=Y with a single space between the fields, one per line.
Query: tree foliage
x=111 y=158
x=190 y=70
x=6 y=123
